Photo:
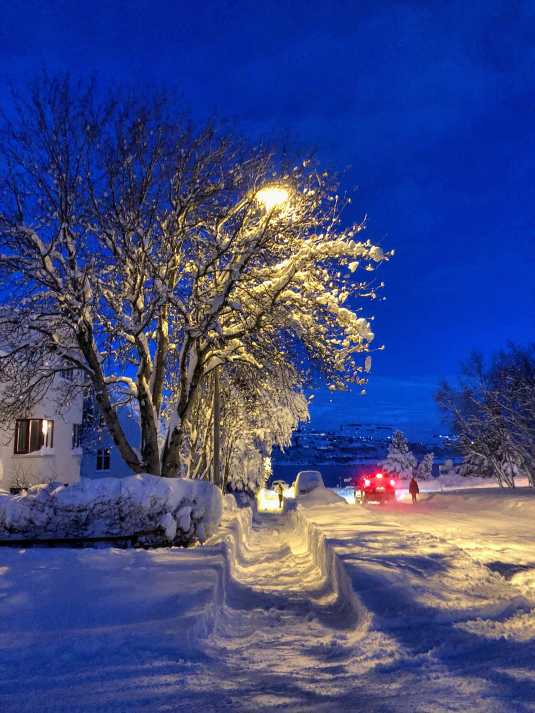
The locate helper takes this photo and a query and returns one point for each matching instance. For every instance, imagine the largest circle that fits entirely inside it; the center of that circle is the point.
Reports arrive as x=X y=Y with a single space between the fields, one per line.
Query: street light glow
x=272 y=197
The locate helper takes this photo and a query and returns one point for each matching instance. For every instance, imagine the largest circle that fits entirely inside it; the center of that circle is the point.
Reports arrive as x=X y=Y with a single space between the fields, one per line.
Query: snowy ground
x=330 y=608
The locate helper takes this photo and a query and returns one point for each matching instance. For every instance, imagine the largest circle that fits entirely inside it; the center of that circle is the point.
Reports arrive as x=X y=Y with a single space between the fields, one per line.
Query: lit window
x=103 y=459
x=32 y=434
x=76 y=428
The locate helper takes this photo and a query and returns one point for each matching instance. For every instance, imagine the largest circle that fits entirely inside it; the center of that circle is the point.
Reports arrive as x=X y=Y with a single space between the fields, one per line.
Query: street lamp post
x=270 y=198
x=217 y=426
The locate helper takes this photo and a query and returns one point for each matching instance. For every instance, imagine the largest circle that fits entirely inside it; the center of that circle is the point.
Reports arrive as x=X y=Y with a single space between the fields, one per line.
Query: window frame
x=104 y=459
x=45 y=438
x=76 y=435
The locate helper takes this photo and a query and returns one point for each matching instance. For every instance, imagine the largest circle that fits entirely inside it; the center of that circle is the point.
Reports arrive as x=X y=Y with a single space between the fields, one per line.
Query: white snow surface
x=377 y=609
x=319 y=497
x=184 y=509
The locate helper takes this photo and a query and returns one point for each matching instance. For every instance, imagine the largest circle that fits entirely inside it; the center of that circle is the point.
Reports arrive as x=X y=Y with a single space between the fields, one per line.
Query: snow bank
x=349 y=610
x=183 y=509
x=499 y=502
x=454 y=481
x=320 y=496
x=451 y=481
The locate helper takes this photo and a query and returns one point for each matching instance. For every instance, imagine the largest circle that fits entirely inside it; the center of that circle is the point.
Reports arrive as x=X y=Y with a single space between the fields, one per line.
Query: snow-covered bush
x=248 y=473
x=447 y=469
x=475 y=466
x=400 y=462
x=184 y=510
x=425 y=468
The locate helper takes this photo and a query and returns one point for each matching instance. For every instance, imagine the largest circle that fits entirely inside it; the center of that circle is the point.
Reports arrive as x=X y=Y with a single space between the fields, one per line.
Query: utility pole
x=217 y=424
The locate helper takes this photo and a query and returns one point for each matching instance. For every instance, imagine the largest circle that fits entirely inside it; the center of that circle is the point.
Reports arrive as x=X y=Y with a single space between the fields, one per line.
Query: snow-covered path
x=462 y=637
x=330 y=609
x=497 y=527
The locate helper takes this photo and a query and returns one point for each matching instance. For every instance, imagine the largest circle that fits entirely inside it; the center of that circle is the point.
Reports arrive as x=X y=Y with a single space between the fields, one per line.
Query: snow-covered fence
x=184 y=510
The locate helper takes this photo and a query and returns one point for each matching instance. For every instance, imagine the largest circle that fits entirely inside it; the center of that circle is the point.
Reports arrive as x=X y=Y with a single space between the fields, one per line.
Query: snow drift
x=183 y=509
x=320 y=497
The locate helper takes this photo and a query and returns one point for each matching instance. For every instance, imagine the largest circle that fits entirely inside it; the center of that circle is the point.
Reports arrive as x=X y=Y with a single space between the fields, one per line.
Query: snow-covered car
x=275 y=484
x=379 y=488
x=306 y=481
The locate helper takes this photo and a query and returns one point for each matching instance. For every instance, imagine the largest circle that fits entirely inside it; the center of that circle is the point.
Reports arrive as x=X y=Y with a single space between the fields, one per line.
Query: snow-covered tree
x=493 y=411
x=260 y=410
x=425 y=468
x=475 y=466
x=399 y=462
x=142 y=251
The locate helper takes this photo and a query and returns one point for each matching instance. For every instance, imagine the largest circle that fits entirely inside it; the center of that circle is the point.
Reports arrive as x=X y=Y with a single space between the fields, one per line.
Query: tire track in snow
x=418 y=647
x=293 y=634
x=273 y=624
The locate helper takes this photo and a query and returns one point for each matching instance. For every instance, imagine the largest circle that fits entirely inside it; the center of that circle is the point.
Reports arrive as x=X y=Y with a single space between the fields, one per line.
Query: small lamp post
x=217 y=426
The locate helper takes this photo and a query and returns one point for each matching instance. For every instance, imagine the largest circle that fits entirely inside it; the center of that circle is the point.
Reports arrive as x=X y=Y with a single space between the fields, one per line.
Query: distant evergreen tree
x=425 y=467
x=400 y=462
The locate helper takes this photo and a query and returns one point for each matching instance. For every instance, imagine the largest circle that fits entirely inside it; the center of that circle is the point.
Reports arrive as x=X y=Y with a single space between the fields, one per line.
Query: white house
x=44 y=447
x=101 y=457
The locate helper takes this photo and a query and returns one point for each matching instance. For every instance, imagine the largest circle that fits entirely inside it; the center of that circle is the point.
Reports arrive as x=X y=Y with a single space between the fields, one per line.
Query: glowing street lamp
x=272 y=197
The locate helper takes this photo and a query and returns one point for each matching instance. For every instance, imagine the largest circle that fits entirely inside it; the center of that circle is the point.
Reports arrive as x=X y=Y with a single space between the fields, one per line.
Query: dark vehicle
x=378 y=488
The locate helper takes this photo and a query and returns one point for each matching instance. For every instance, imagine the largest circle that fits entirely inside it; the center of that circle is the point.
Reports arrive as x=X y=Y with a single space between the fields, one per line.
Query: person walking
x=413 y=489
x=280 y=491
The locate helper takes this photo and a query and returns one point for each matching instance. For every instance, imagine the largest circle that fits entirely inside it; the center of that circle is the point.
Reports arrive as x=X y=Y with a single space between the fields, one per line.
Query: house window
x=68 y=371
x=103 y=459
x=32 y=434
x=76 y=428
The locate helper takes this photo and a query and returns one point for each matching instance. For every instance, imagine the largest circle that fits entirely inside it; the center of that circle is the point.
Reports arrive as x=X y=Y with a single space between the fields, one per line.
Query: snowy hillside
x=351 y=443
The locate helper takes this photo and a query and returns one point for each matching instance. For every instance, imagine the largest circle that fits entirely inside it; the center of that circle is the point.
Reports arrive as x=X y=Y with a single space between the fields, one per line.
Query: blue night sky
x=430 y=104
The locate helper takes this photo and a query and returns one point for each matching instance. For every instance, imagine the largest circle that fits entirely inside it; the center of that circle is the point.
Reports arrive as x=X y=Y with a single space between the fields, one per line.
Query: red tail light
x=366 y=482
x=392 y=482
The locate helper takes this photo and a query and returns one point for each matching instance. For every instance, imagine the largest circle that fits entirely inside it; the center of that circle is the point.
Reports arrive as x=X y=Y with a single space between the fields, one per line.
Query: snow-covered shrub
x=474 y=465
x=425 y=468
x=183 y=509
x=248 y=472
x=400 y=462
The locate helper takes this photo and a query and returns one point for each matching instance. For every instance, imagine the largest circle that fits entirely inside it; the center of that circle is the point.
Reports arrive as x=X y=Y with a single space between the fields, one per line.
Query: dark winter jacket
x=413 y=487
